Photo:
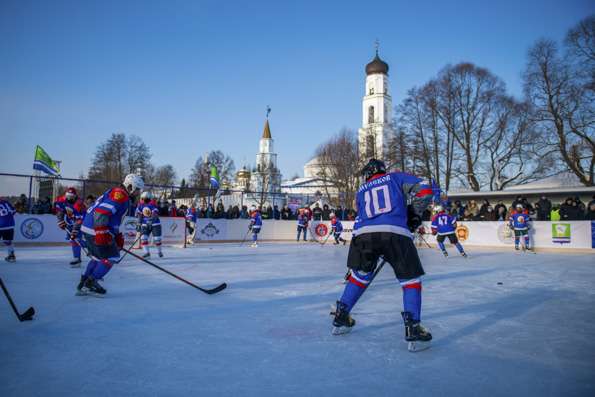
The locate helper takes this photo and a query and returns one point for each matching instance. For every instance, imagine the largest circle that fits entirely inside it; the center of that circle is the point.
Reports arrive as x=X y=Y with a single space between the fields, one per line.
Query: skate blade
x=341 y=330
x=418 y=346
x=89 y=293
x=76 y=265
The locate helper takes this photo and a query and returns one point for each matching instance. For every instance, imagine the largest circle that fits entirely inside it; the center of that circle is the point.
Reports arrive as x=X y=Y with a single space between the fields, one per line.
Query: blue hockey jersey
x=71 y=213
x=519 y=221
x=7 y=212
x=302 y=220
x=443 y=224
x=336 y=225
x=255 y=220
x=382 y=203
x=147 y=212
x=107 y=212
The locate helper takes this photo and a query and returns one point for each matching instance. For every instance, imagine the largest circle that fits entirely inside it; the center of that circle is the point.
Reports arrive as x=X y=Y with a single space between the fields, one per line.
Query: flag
x=214 y=177
x=43 y=162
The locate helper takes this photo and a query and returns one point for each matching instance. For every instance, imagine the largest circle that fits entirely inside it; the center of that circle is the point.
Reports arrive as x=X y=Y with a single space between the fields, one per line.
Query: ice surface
x=268 y=334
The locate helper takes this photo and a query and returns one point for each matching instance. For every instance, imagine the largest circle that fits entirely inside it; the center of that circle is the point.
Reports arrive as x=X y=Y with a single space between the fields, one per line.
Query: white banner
x=565 y=235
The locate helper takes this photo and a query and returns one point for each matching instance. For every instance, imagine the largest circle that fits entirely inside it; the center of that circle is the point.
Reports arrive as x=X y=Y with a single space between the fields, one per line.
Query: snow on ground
x=268 y=334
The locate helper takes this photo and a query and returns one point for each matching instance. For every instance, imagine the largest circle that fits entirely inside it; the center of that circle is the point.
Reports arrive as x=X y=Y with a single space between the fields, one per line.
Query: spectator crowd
x=572 y=209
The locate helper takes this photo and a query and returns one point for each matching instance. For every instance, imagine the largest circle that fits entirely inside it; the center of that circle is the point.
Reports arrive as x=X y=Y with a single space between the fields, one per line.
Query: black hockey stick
x=378 y=268
x=218 y=288
x=119 y=260
x=245 y=237
x=421 y=236
x=27 y=314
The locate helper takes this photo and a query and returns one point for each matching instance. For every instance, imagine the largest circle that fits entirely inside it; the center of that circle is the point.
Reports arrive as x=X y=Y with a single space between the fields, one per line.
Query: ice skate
x=342 y=323
x=94 y=288
x=418 y=338
x=254 y=245
x=160 y=254
x=464 y=254
x=10 y=257
x=147 y=255
x=81 y=290
x=445 y=254
x=76 y=262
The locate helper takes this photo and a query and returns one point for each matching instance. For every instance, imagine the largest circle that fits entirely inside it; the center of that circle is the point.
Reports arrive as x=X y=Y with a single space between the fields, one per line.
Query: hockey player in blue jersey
x=191 y=219
x=337 y=229
x=255 y=225
x=147 y=215
x=382 y=229
x=519 y=222
x=69 y=213
x=7 y=212
x=101 y=231
x=302 y=224
x=445 y=225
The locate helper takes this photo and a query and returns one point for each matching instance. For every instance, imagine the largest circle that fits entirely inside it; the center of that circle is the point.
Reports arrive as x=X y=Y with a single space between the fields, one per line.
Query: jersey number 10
x=372 y=199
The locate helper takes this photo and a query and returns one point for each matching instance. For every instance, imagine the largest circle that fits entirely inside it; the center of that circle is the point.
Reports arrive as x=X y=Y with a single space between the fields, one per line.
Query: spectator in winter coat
x=488 y=215
x=340 y=213
x=473 y=208
x=591 y=202
x=590 y=215
x=276 y=213
x=498 y=206
x=244 y=212
x=326 y=213
x=21 y=205
x=555 y=213
x=517 y=201
x=544 y=209
x=484 y=208
x=501 y=213
x=317 y=212
x=285 y=213
x=569 y=210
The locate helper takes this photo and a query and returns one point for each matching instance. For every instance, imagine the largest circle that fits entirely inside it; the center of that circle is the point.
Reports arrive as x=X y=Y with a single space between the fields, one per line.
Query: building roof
x=266 y=133
x=560 y=181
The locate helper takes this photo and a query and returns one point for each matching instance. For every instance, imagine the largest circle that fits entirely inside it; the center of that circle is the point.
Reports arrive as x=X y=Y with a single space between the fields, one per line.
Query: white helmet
x=146 y=195
x=331 y=215
x=133 y=182
x=519 y=206
x=437 y=208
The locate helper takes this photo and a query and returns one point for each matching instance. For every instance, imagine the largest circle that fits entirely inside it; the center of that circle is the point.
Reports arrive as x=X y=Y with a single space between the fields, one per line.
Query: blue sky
x=194 y=76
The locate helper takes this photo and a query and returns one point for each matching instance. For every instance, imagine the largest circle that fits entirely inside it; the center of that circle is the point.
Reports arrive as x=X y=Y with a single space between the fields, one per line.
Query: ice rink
x=268 y=333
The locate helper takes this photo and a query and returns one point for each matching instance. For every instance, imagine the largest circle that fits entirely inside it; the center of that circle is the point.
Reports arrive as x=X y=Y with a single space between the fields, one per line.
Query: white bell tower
x=376 y=111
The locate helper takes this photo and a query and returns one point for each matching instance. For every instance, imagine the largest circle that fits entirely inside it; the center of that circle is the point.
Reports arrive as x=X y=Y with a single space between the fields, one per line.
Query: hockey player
x=69 y=213
x=302 y=224
x=101 y=231
x=445 y=225
x=148 y=223
x=382 y=229
x=337 y=229
x=7 y=212
x=519 y=222
x=255 y=225
x=191 y=218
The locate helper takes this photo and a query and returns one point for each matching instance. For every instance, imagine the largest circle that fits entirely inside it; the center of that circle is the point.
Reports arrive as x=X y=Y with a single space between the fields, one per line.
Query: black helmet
x=372 y=168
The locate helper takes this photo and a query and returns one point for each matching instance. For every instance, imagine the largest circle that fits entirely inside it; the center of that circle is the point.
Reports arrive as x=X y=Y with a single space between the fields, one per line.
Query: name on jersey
x=377 y=181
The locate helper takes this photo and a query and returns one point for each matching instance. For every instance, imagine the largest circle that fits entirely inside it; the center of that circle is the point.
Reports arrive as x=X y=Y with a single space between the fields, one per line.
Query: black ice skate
x=464 y=254
x=160 y=254
x=93 y=287
x=418 y=338
x=343 y=323
x=81 y=289
x=11 y=258
x=76 y=262
x=445 y=254
x=147 y=255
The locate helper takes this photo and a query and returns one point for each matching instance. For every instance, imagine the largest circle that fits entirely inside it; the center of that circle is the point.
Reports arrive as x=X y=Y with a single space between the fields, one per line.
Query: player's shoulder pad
x=118 y=195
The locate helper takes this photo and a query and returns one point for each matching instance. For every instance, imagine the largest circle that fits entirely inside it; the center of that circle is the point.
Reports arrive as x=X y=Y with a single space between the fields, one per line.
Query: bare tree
x=563 y=107
x=200 y=173
x=339 y=164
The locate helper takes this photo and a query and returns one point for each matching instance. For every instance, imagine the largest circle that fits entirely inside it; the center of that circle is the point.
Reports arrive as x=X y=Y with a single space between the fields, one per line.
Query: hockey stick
x=126 y=251
x=245 y=237
x=27 y=314
x=378 y=268
x=326 y=239
x=421 y=236
x=205 y=290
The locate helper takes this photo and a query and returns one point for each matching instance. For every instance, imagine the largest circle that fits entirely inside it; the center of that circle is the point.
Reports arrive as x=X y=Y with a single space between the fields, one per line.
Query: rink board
x=565 y=235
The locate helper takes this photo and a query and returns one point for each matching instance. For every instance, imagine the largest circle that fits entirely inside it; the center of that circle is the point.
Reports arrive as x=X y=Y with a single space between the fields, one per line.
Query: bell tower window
x=371 y=114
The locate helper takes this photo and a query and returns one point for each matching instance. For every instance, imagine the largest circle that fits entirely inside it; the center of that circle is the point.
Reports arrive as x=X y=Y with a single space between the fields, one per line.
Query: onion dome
x=377 y=66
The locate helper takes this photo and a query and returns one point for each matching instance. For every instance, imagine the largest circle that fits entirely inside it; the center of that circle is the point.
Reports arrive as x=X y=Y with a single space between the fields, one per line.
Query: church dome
x=243 y=174
x=377 y=66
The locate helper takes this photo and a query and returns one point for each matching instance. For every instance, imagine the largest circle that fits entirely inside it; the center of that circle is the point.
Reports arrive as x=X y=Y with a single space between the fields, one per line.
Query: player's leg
x=305 y=233
x=7 y=235
x=102 y=260
x=336 y=237
x=144 y=241
x=526 y=239
x=299 y=231
x=255 y=231
x=455 y=241
x=156 y=230
x=440 y=240
x=402 y=255
x=517 y=239
x=362 y=261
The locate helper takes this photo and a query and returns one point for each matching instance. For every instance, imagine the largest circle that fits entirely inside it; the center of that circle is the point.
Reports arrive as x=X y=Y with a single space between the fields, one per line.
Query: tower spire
x=377 y=45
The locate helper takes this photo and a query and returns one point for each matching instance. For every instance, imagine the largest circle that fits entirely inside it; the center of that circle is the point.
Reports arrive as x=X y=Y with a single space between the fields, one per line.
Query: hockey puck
x=499 y=283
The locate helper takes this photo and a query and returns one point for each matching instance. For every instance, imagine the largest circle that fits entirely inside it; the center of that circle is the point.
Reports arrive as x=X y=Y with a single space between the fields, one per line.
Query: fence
x=34 y=193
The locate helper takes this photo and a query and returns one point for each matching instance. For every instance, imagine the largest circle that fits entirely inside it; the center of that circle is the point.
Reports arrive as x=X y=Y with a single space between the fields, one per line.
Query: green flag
x=214 y=177
x=43 y=162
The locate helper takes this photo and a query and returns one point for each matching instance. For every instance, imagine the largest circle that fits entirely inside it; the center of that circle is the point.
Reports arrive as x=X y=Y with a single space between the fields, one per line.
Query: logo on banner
x=210 y=230
x=561 y=233
x=462 y=232
x=31 y=228
x=321 y=230
x=173 y=227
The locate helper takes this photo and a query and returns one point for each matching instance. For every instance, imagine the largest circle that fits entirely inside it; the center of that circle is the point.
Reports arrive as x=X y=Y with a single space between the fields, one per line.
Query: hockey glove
x=103 y=236
x=138 y=227
x=413 y=220
x=120 y=240
x=74 y=234
x=249 y=227
x=62 y=224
